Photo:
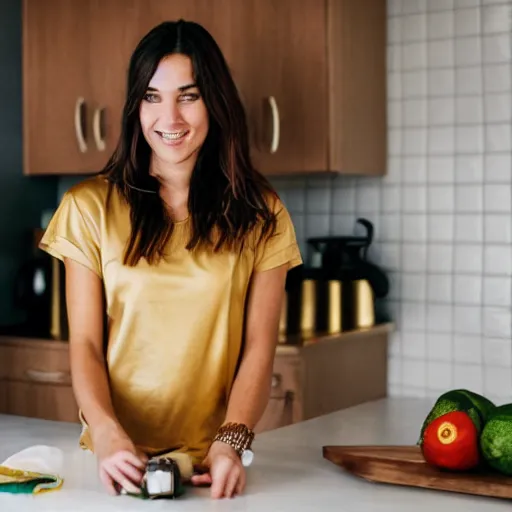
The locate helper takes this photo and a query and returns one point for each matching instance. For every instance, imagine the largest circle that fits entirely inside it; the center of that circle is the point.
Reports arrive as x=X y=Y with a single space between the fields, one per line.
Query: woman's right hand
x=120 y=463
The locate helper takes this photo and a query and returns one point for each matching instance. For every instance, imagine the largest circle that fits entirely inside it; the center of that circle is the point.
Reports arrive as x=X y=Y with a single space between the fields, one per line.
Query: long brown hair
x=227 y=195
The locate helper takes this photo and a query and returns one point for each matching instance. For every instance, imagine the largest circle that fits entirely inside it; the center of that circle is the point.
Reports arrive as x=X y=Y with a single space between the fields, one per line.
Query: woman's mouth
x=172 y=138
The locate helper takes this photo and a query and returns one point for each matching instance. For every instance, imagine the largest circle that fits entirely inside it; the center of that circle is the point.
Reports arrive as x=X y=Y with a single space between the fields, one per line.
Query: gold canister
x=334 y=317
x=59 y=329
x=308 y=306
x=364 y=312
x=299 y=310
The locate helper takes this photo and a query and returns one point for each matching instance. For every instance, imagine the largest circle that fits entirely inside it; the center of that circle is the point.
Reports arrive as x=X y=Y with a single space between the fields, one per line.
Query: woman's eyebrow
x=181 y=88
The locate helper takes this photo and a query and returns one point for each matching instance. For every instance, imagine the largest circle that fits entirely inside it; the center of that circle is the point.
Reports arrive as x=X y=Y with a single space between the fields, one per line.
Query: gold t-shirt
x=176 y=328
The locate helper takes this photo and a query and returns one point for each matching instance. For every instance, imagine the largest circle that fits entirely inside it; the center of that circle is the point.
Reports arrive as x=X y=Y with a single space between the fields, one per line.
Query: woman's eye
x=150 y=97
x=189 y=97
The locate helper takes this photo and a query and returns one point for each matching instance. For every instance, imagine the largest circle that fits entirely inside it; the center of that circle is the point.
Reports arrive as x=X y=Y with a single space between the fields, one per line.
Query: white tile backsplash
x=440 y=288
x=468 y=81
x=496 y=48
x=497 y=78
x=498 y=108
x=414 y=257
x=498 y=137
x=441 y=111
x=498 y=228
x=467 y=320
x=469 y=169
x=468 y=259
x=468 y=51
x=443 y=211
x=498 y=168
x=439 y=347
x=414 y=83
x=439 y=5
x=440 y=25
x=469 y=110
x=467 y=22
x=439 y=376
x=441 y=82
x=469 y=228
x=440 y=258
x=441 y=53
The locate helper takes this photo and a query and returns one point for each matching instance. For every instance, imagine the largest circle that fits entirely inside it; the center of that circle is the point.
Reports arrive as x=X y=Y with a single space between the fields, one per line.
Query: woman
x=184 y=247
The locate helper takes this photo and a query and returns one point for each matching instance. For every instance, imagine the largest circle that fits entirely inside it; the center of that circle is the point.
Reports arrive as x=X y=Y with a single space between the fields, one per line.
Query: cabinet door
x=284 y=84
x=113 y=35
x=55 y=87
x=278 y=413
x=45 y=401
x=218 y=17
x=3 y=397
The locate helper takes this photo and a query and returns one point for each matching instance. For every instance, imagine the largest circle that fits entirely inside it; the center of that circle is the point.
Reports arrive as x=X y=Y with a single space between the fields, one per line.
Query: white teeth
x=172 y=135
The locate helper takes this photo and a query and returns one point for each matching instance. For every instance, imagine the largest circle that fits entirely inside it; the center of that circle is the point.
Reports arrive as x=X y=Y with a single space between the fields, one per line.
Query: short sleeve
x=281 y=248
x=74 y=233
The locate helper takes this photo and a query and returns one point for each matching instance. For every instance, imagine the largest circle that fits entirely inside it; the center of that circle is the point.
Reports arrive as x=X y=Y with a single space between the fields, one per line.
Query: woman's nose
x=170 y=112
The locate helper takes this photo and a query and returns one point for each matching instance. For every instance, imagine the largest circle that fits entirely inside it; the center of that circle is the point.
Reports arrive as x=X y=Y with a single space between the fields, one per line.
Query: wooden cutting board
x=405 y=465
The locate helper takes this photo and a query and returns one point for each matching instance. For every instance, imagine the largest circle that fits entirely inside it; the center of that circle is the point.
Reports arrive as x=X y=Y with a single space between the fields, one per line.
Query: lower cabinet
x=310 y=378
x=44 y=401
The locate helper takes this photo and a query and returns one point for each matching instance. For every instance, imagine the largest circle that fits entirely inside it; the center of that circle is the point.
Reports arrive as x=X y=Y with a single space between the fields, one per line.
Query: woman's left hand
x=226 y=473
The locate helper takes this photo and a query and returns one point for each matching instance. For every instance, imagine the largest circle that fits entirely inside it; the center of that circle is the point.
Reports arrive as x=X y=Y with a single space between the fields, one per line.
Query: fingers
x=228 y=479
x=232 y=482
x=133 y=459
x=107 y=482
x=203 y=479
x=240 y=486
x=116 y=474
x=220 y=472
x=125 y=469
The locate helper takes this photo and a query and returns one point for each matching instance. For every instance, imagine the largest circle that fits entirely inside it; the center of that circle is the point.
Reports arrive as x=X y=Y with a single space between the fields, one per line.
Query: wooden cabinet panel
x=3 y=397
x=284 y=84
x=112 y=39
x=35 y=364
x=309 y=379
x=56 y=139
x=278 y=413
x=312 y=78
x=41 y=401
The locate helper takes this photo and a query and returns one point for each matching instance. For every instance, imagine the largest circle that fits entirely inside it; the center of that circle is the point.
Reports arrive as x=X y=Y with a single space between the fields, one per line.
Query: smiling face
x=173 y=116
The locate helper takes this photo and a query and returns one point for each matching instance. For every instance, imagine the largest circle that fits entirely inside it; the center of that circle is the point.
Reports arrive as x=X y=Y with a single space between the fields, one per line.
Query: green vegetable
x=476 y=406
x=496 y=439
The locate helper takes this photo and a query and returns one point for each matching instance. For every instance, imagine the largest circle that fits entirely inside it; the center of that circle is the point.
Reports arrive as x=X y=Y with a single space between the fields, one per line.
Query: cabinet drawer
x=285 y=378
x=35 y=364
x=44 y=401
x=279 y=413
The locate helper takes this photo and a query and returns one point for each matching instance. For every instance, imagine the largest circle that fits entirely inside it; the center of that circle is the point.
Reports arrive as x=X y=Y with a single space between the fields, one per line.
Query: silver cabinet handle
x=53 y=377
x=79 y=130
x=274 y=144
x=276 y=380
x=96 y=129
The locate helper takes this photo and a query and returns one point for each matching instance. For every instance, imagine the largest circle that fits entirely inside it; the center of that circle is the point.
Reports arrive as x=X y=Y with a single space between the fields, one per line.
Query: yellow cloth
x=175 y=329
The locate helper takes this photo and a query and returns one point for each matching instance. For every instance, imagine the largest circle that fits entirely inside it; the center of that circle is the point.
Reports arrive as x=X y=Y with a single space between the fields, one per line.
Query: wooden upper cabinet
x=315 y=85
x=113 y=35
x=311 y=74
x=284 y=84
x=56 y=88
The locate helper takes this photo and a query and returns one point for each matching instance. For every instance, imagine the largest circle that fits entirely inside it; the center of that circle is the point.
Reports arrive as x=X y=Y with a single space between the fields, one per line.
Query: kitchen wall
x=443 y=212
x=21 y=198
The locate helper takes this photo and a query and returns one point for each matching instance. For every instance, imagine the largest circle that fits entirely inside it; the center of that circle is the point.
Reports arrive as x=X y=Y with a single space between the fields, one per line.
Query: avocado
x=496 y=439
x=483 y=405
x=476 y=406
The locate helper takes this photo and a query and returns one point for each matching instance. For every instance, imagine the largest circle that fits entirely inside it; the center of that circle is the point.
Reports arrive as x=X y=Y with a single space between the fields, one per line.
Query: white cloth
x=46 y=460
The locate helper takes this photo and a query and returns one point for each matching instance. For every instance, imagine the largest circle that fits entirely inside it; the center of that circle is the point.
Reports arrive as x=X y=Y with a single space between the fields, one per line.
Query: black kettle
x=346 y=258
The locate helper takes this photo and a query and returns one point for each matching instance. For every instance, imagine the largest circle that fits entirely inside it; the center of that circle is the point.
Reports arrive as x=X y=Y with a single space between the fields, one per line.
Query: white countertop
x=288 y=474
